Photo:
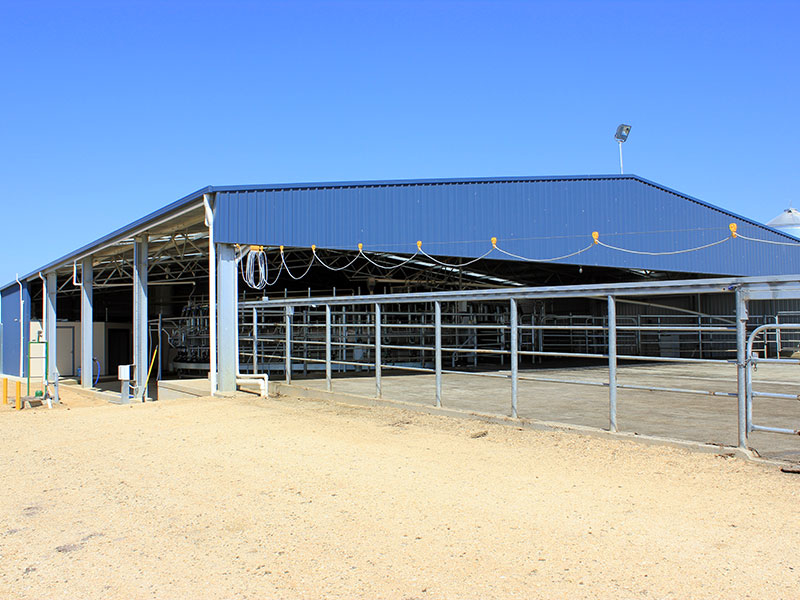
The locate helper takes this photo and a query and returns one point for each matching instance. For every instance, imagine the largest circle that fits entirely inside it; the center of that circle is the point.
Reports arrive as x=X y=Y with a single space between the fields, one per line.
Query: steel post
x=208 y=199
x=159 y=339
x=741 y=370
x=287 y=358
x=255 y=340
x=748 y=392
x=438 y=349
x=378 y=392
x=51 y=333
x=140 y=326
x=514 y=357
x=612 y=364
x=328 y=382
x=87 y=321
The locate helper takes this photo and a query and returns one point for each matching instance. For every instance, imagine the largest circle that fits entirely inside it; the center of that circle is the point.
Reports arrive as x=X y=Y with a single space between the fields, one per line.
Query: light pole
x=621 y=135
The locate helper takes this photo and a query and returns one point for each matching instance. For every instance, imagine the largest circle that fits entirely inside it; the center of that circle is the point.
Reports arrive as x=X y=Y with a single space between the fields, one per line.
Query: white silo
x=788 y=222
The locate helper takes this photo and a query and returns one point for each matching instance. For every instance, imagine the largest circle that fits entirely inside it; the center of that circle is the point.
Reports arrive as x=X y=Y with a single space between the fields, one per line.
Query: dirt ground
x=282 y=498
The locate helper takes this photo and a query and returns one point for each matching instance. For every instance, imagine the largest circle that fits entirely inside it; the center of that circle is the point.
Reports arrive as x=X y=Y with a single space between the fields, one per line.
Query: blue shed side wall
x=537 y=219
x=9 y=312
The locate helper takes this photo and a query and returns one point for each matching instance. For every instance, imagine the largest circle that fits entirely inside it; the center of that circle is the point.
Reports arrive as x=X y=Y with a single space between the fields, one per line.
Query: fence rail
x=494 y=333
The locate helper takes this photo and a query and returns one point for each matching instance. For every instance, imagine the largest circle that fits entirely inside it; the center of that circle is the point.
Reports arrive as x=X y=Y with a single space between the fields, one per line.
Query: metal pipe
x=612 y=363
x=44 y=328
x=776 y=430
x=741 y=371
x=160 y=353
x=437 y=307
x=328 y=381
x=212 y=293
x=514 y=357
x=775 y=395
x=21 y=332
x=378 y=392
x=758 y=287
x=288 y=343
x=255 y=340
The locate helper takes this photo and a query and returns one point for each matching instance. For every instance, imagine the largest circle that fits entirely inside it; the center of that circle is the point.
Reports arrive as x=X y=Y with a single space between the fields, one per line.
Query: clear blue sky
x=111 y=109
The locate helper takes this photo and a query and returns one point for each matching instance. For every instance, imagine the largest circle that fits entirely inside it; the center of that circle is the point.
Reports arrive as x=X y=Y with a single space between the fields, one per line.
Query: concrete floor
x=694 y=417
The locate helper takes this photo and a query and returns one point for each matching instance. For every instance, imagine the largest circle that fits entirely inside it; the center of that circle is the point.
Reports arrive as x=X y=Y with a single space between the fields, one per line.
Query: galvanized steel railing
x=415 y=332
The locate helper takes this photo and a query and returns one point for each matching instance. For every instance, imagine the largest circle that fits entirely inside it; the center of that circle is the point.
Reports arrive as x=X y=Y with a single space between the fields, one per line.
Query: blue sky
x=109 y=110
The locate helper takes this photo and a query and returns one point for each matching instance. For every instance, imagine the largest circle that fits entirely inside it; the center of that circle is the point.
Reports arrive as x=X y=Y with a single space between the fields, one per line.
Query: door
x=65 y=351
x=118 y=349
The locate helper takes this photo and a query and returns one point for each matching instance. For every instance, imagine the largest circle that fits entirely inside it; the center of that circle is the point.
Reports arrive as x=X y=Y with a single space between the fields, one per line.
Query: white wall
x=68 y=366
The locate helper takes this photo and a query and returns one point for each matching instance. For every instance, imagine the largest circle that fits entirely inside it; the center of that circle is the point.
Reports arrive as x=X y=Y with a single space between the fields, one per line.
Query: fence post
x=438 y=352
x=612 y=364
x=5 y=391
x=377 y=350
x=288 y=344
x=741 y=371
x=700 y=334
x=328 y=382
x=18 y=403
x=255 y=340
x=514 y=357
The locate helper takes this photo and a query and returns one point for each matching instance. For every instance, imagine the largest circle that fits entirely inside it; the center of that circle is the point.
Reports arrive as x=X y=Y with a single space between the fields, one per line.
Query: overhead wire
x=458 y=266
x=774 y=242
x=388 y=267
x=518 y=257
x=289 y=273
x=668 y=252
x=348 y=265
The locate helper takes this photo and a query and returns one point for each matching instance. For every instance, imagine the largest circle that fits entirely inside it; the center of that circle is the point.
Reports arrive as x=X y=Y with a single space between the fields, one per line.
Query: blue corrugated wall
x=537 y=219
x=9 y=313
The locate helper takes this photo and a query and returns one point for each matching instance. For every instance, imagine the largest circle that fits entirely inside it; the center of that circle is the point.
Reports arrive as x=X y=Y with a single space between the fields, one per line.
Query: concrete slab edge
x=298 y=391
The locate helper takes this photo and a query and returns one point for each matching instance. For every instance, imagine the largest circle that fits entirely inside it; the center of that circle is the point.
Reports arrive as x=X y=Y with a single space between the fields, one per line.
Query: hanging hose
x=96 y=379
x=256 y=257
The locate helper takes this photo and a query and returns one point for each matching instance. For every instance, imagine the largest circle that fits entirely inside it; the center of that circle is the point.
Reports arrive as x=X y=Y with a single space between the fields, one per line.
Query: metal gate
x=753 y=360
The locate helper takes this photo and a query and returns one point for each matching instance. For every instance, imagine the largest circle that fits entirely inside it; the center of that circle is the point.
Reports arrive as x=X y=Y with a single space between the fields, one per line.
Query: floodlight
x=622 y=133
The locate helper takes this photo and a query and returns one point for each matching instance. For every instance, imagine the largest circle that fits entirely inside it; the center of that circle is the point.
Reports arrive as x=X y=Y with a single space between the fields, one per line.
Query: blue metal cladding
x=534 y=218
x=9 y=311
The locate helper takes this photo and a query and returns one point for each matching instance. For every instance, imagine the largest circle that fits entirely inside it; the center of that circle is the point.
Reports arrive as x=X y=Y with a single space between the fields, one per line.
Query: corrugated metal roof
x=535 y=217
x=532 y=220
x=119 y=234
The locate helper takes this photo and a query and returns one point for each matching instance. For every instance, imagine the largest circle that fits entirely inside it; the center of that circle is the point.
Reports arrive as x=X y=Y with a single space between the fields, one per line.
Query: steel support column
x=140 y=338
x=227 y=318
x=87 y=321
x=51 y=285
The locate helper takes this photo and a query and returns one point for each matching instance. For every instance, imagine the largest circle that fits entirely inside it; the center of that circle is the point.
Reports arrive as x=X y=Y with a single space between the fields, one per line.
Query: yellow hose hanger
x=257 y=256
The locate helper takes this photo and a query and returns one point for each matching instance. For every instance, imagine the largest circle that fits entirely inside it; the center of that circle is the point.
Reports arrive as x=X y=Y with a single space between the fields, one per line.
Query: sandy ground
x=281 y=498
